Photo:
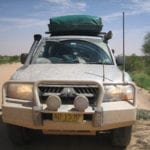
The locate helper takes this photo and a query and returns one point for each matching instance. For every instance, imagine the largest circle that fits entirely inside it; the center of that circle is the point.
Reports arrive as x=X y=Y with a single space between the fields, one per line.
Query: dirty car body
x=70 y=85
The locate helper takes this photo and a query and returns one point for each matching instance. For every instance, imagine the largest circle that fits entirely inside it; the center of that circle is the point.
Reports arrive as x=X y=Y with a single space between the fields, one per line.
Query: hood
x=35 y=72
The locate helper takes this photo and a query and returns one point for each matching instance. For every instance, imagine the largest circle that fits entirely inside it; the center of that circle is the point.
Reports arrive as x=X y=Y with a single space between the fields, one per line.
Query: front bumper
x=106 y=116
x=114 y=115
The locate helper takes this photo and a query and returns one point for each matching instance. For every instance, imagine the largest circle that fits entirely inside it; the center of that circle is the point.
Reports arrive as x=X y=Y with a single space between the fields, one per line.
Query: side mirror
x=119 y=60
x=107 y=36
x=113 y=51
x=37 y=37
x=23 y=58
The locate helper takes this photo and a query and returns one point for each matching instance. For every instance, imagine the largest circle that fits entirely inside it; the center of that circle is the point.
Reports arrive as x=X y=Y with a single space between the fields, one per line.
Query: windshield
x=72 y=51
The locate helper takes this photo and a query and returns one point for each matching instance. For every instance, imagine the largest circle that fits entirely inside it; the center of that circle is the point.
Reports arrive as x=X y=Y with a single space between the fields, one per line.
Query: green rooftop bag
x=75 y=25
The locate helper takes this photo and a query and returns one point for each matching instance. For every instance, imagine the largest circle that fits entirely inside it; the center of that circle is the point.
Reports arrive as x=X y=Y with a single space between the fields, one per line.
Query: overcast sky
x=20 y=19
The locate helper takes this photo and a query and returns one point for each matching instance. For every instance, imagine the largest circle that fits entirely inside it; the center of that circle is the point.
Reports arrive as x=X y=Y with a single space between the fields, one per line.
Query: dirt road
x=140 y=136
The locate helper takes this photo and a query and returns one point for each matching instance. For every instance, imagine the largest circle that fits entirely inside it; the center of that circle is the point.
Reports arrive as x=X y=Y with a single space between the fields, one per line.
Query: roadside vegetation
x=139 y=69
x=9 y=59
x=139 y=66
x=143 y=114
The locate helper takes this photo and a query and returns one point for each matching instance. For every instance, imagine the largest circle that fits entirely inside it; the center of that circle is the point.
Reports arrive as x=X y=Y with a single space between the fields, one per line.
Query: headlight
x=118 y=93
x=20 y=91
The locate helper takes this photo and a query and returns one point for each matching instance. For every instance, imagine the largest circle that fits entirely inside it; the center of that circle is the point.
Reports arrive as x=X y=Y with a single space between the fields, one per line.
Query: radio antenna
x=103 y=72
x=123 y=23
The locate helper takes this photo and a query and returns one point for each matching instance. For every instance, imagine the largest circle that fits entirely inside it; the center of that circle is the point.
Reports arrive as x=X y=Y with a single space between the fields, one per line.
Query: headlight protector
x=23 y=91
x=118 y=93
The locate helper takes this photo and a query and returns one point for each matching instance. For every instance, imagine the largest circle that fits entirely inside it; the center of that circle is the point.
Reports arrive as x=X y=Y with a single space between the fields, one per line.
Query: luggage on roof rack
x=75 y=25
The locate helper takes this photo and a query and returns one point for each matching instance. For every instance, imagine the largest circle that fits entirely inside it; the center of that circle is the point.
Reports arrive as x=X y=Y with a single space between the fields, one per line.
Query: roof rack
x=105 y=35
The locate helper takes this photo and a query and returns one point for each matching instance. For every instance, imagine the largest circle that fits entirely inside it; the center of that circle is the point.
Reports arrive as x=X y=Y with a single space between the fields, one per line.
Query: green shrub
x=13 y=59
x=3 y=59
x=134 y=63
x=142 y=80
x=9 y=59
x=143 y=114
x=147 y=70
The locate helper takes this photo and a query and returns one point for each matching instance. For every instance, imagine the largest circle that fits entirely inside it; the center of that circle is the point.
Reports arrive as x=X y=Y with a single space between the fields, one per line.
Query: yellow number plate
x=67 y=117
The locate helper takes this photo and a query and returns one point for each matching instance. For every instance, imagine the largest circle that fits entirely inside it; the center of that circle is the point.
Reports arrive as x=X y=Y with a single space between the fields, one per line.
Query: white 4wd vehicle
x=69 y=85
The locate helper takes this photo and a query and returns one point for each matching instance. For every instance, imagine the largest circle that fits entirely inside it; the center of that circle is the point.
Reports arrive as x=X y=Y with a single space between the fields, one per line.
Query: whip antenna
x=123 y=23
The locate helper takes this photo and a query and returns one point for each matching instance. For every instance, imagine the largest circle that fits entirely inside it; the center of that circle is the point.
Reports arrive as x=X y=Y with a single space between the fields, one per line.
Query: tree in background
x=146 y=45
x=134 y=63
x=146 y=50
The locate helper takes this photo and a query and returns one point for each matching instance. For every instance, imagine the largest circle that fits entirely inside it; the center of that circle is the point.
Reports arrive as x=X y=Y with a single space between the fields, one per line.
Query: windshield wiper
x=94 y=63
x=99 y=63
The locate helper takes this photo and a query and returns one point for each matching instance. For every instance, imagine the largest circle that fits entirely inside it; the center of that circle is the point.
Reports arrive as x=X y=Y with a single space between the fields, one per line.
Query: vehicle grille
x=68 y=93
x=86 y=90
x=50 y=89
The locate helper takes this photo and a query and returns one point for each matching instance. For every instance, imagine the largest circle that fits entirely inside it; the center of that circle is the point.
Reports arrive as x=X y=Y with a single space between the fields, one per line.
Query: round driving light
x=53 y=102
x=81 y=103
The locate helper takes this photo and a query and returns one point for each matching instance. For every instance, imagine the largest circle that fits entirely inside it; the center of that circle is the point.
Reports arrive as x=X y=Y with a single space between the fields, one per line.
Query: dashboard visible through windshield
x=72 y=51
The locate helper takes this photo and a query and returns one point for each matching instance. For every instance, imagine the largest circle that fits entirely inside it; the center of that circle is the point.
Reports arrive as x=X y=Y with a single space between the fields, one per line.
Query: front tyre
x=19 y=135
x=121 y=137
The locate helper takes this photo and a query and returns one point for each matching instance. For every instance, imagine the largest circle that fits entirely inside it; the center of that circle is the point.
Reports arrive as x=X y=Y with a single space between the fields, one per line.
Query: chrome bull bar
x=37 y=108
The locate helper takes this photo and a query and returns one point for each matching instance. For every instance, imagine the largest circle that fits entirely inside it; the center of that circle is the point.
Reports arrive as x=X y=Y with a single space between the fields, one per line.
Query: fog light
x=53 y=102
x=81 y=103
